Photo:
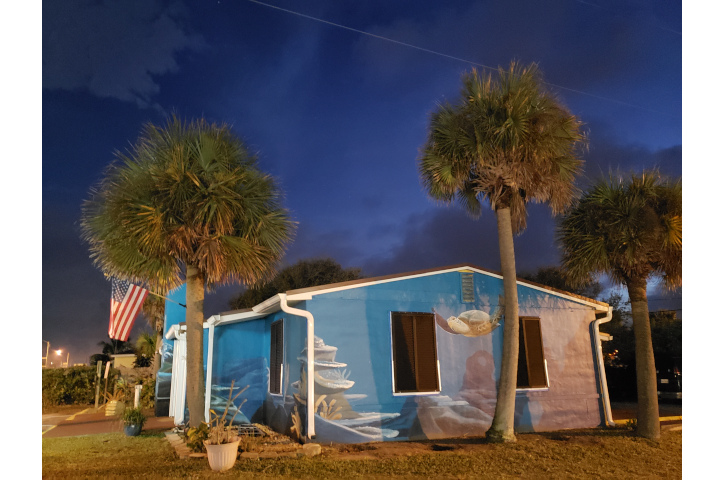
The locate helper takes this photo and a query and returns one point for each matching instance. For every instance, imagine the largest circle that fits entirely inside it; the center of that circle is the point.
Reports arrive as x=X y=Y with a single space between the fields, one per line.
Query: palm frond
x=508 y=136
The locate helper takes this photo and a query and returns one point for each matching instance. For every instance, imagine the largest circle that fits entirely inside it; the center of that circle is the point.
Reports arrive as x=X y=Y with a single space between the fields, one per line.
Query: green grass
x=599 y=453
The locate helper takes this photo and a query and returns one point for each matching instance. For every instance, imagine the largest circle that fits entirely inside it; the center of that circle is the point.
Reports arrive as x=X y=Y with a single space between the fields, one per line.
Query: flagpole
x=167 y=298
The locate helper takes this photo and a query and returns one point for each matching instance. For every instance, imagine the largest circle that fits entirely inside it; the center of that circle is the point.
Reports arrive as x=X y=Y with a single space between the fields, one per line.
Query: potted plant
x=223 y=442
x=133 y=420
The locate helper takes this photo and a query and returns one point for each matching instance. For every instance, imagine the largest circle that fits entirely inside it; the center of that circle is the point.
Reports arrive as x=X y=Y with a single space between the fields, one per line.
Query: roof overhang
x=308 y=293
x=272 y=304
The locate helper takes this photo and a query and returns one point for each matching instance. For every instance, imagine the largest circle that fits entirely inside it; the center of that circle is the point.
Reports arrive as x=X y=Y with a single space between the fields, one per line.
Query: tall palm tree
x=631 y=230
x=188 y=203
x=508 y=142
x=154 y=308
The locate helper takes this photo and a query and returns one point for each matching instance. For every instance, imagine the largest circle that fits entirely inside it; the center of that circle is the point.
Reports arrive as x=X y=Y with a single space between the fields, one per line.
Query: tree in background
x=154 y=308
x=189 y=204
x=303 y=274
x=630 y=229
x=146 y=350
x=619 y=352
x=111 y=348
x=507 y=142
x=555 y=277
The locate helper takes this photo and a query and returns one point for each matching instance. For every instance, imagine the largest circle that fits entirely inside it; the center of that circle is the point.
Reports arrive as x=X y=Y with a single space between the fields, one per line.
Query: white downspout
x=310 y=361
x=209 y=360
x=602 y=375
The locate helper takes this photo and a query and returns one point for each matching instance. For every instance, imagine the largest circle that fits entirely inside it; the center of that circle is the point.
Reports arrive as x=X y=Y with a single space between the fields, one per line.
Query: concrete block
x=311 y=449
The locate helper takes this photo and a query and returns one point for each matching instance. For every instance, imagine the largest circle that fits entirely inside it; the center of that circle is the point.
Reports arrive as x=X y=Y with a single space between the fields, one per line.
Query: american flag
x=126 y=301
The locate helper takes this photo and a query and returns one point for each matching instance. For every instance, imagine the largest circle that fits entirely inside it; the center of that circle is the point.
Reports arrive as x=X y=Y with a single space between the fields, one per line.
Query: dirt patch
x=383 y=450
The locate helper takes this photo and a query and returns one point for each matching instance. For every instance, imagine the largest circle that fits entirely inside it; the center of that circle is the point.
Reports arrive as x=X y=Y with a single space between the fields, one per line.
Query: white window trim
x=281 y=370
x=392 y=366
x=538 y=389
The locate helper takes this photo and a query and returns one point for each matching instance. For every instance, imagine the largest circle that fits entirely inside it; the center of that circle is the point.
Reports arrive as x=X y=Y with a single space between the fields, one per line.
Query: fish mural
x=471 y=323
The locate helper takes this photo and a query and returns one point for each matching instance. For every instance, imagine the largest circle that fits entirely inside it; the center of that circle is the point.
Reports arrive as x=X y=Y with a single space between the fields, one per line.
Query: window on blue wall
x=532 y=365
x=276 y=357
x=415 y=360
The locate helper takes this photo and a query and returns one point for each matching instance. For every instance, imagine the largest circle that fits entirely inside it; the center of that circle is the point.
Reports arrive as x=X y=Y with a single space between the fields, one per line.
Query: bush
x=72 y=386
x=147 y=393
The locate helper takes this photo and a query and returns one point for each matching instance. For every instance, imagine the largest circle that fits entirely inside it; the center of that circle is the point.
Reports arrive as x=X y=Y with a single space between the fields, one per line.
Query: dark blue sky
x=337 y=116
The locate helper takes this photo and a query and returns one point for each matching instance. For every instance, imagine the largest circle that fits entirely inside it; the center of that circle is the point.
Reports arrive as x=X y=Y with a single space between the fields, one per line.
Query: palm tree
x=507 y=142
x=632 y=231
x=188 y=203
x=116 y=347
x=146 y=345
x=154 y=308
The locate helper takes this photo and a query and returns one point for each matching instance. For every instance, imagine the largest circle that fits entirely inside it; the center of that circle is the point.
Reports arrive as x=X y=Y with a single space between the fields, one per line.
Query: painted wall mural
x=335 y=418
x=354 y=399
x=471 y=323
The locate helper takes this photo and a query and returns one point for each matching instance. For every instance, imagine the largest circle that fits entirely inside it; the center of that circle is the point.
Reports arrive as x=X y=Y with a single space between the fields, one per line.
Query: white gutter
x=209 y=361
x=310 y=360
x=602 y=375
x=175 y=331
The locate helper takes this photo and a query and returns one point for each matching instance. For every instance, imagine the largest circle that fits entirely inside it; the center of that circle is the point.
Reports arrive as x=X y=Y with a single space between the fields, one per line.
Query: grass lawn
x=596 y=453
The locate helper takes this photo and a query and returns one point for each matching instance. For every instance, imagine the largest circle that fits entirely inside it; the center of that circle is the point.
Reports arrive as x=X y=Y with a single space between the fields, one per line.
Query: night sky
x=335 y=99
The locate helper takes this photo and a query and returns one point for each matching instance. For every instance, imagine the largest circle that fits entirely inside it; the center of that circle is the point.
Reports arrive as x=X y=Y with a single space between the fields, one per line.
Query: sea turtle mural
x=471 y=323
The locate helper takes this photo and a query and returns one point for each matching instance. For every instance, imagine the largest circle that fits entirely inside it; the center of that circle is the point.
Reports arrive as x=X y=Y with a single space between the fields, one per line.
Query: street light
x=58 y=352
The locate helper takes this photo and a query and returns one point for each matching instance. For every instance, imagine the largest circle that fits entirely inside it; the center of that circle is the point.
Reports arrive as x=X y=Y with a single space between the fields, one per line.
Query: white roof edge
x=272 y=304
x=309 y=295
x=595 y=306
x=234 y=317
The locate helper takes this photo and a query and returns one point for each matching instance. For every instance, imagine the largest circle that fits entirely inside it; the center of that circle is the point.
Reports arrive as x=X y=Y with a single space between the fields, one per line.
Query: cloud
x=576 y=46
x=606 y=155
x=113 y=49
x=447 y=236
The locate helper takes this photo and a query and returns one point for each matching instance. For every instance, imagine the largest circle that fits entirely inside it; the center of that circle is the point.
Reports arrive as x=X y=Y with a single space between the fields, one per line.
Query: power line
x=426 y=50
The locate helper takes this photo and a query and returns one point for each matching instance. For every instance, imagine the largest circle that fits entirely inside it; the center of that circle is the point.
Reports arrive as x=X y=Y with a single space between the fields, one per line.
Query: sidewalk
x=92 y=422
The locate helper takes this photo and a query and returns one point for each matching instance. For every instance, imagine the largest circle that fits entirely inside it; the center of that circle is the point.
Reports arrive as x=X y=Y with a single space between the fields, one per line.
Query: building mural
x=358 y=397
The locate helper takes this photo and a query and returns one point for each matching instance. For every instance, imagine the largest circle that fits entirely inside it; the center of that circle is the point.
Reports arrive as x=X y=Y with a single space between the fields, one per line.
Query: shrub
x=72 y=386
x=147 y=393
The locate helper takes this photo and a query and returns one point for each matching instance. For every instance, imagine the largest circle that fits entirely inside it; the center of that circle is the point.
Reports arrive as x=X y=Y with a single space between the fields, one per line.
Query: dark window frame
x=414 y=353
x=532 y=371
x=276 y=357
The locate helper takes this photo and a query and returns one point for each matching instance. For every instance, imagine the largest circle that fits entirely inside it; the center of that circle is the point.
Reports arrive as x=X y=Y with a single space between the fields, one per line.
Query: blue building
x=409 y=356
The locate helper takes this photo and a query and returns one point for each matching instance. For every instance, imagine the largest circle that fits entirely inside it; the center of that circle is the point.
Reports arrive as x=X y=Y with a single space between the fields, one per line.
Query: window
x=276 y=357
x=415 y=362
x=532 y=366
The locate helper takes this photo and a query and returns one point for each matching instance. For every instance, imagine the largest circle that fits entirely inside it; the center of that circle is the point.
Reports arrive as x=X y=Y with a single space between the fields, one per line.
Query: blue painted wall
x=353 y=327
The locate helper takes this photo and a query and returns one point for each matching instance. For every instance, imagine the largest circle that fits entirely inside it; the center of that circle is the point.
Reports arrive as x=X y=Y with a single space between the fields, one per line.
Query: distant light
x=58 y=352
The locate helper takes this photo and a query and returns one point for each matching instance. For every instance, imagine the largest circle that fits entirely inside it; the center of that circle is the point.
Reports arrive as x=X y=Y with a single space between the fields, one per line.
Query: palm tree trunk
x=648 y=414
x=195 y=345
x=157 y=353
x=502 y=426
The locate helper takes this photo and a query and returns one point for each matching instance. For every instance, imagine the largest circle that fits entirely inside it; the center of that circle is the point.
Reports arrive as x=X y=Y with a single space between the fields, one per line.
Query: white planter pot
x=222 y=457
